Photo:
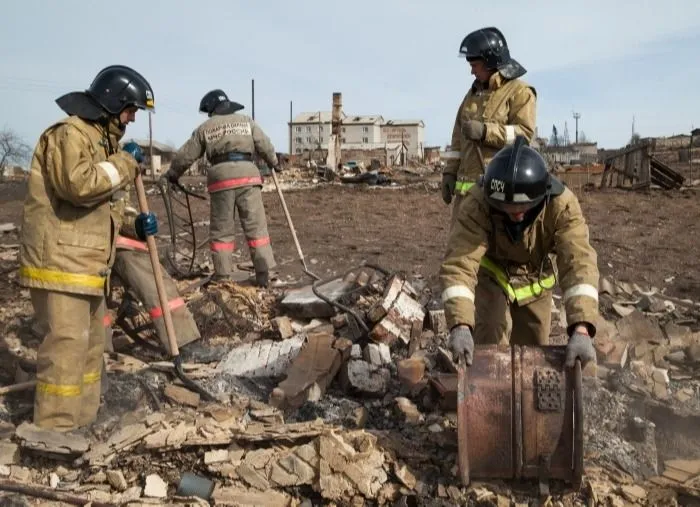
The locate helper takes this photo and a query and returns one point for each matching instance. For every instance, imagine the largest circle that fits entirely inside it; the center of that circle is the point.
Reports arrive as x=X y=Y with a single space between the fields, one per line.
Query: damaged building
x=362 y=137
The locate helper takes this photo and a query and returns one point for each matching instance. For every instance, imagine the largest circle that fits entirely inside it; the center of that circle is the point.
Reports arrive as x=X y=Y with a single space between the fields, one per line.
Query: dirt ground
x=642 y=237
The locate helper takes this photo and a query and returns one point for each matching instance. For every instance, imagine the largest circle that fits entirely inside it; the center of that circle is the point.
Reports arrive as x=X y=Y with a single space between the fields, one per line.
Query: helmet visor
x=513 y=208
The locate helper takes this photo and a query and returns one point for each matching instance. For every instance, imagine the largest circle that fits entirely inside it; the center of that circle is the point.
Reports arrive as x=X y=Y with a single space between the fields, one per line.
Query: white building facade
x=311 y=131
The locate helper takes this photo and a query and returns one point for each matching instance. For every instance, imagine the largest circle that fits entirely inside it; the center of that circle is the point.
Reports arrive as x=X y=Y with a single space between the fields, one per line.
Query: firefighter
x=230 y=141
x=509 y=233
x=74 y=203
x=498 y=107
x=132 y=266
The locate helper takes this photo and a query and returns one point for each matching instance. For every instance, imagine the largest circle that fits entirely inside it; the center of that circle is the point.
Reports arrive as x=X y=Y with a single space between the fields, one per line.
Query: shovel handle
x=30 y=384
x=289 y=219
x=481 y=157
x=155 y=263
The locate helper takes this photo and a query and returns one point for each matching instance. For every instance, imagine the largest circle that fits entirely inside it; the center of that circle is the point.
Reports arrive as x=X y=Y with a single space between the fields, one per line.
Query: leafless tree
x=13 y=150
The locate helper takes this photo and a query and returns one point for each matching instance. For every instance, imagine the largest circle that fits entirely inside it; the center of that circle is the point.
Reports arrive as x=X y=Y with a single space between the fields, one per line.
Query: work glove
x=146 y=224
x=580 y=346
x=474 y=130
x=134 y=150
x=448 y=187
x=461 y=342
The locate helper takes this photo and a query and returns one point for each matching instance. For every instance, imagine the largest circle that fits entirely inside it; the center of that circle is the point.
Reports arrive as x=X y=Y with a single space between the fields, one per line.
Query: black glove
x=146 y=224
x=580 y=346
x=474 y=130
x=462 y=342
x=134 y=150
x=448 y=187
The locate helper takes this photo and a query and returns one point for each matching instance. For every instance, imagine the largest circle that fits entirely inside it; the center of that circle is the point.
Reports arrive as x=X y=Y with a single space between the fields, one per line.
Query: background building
x=310 y=132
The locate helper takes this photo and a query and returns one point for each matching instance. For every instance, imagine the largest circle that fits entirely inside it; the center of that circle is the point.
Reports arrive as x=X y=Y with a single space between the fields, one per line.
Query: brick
x=438 y=324
x=283 y=325
x=411 y=371
x=155 y=487
x=371 y=354
x=181 y=395
x=364 y=378
x=262 y=359
x=310 y=374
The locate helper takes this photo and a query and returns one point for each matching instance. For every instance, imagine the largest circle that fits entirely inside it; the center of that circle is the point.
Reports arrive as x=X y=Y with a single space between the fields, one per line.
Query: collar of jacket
x=114 y=130
x=495 y=82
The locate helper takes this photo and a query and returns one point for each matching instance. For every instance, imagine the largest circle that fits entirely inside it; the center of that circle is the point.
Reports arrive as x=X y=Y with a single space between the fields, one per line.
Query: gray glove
x=461 y=342
x=448 y=187
x=580 y=346
x=474 y=130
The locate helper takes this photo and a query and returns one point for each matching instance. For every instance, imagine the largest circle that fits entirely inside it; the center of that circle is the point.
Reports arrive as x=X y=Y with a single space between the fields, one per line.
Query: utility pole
x=291 y=133
x=252 y=97
x=150 y=145
x=576 y=118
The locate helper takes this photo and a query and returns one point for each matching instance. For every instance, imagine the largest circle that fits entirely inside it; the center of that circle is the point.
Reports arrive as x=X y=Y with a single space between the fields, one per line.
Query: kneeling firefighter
x=73 y=209
x=133 y=267
x=230 y=140
x=499 y=269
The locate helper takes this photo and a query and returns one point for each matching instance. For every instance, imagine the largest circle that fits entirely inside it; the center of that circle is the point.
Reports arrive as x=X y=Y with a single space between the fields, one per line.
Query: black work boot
x=261 y=278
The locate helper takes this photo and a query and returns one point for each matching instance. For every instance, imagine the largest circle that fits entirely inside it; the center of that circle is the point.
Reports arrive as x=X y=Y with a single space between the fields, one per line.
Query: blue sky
x=394 y=58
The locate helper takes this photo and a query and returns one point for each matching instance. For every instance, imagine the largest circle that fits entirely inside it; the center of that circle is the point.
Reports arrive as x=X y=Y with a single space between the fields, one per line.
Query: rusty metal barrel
x=520 y=415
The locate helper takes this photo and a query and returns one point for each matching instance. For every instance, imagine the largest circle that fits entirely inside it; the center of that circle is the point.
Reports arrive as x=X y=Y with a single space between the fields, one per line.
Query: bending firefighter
x=132 y=266
x=499 y=273
x=230 y=140
x=497 y=108
x=75 y=204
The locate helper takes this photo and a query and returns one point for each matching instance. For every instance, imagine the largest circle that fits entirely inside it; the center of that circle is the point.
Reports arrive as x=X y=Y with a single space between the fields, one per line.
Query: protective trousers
x=134 y=269
x=222 y=227
x=69 y=360
x=498 y=321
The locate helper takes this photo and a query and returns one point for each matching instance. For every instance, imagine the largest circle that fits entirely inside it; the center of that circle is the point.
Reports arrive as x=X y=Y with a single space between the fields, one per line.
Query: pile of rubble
x=342 y=393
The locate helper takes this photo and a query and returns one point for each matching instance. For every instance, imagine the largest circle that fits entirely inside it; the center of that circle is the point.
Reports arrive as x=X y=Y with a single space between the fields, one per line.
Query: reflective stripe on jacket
x=557 y=237
x=70 y=219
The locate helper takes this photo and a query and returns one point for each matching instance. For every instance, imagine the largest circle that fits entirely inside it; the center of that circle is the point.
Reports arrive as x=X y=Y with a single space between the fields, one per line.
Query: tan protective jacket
x=507 y=108
x=525 y=270
x=74 y=206
x=223 y=134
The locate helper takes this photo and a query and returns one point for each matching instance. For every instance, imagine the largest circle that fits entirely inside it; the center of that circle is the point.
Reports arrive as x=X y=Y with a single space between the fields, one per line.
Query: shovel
x=481 y=157
x=163 y=299
x=291 y=227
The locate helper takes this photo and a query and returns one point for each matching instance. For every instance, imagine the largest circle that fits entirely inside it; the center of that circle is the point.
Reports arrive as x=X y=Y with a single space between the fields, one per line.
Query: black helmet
x=117 y=86
x=490 y=45
x=517 y=175
x=217 y=102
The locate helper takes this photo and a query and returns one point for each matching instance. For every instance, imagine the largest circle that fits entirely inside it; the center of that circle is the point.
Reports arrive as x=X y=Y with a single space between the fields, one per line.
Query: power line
x=35 y=85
